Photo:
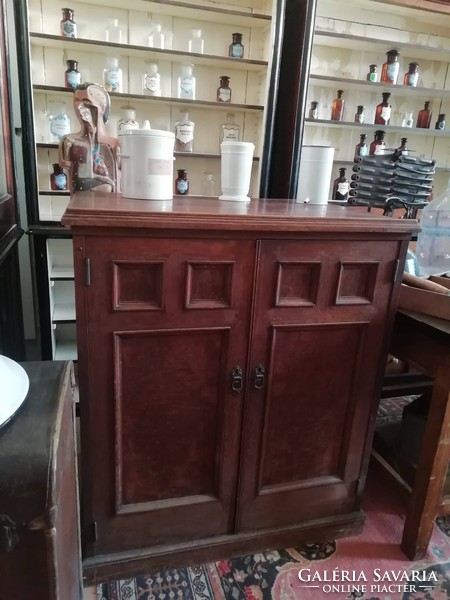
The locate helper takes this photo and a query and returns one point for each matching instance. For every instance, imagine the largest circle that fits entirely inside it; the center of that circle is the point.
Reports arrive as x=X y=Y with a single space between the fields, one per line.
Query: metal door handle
x=236 y=379
x=260 y=376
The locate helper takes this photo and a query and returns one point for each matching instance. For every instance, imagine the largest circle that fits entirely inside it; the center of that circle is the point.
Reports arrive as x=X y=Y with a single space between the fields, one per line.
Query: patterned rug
x=370 y=566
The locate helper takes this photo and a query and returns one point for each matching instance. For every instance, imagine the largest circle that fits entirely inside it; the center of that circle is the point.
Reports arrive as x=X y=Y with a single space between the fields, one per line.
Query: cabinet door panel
x=320 y=309
x=165 y=332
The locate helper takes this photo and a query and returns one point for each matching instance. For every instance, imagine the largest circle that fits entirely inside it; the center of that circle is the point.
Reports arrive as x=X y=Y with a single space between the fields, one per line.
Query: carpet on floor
x=370 y=566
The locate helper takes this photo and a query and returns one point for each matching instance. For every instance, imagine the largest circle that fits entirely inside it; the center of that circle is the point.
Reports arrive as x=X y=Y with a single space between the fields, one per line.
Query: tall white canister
x=314 y=177
x=147 y=164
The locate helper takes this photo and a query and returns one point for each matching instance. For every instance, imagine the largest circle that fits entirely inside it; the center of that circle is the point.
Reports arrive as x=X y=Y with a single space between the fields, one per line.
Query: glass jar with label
x=113 y=31
x=182 y=183
x=383 y=110
x=224 y=90
x=229 y=131
x=411 y=78
x=313 y=112
x=378 y=146
x=156 y=39
x=58 y=179
x=362 y=149
x=407 y=120
x=67 y=25
x=402 y=149
x=184 y=134
x=72 y=76
x=236 y=48
x=128 y=119
x=389 y=72
x=59 y=122
x=359 y=115
x=196 y=43
x=186 y=82
x=372 y=75
x=440 y=123
x=341 y=186
x=152 y=80
x=209 y=185
x=337 y=107
x=424 y=116
x=112 y=75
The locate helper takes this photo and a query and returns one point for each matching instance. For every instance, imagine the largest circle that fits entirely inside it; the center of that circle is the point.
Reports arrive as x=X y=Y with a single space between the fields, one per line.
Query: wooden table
x=424 y=342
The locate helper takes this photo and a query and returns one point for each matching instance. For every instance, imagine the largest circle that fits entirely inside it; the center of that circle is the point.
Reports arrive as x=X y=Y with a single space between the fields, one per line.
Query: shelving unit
x=342 y=51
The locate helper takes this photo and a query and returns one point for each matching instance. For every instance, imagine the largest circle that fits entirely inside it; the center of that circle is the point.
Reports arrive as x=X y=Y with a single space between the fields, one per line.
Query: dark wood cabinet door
x=319 y=317
x=167 y=322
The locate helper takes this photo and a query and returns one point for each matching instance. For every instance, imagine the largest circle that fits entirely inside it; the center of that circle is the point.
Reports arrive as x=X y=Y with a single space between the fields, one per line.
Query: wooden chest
x=39 y=532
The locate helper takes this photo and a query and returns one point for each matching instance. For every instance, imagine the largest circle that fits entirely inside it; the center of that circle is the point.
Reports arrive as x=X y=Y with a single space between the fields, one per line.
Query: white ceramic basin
x=14 y=384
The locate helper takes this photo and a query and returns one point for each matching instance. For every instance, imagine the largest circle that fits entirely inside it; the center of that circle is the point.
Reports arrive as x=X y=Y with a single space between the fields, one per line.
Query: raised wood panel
x=209 y=284
x=138 y=285
x=298 y=366
x=297 y=283
x=356 y=283
x=169 y=408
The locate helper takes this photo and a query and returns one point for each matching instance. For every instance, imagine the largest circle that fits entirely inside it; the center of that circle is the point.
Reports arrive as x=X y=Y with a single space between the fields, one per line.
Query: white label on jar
x=113 y=79
x=187 y=86
x=182 y=186
x=343 y=187
x=363 y=150
x=392 y=72
x=231 y=133
x=225 y=95
x=73 y=78
x=373 y=77
x=60 y=181
x=386 y=113
x=60 y=125
x=69 y=29
x=160 y=166
x=413 y=79
x=184 y=133
x=379 y=149
x=237 y=51
x=125 y=125
x=152 y=83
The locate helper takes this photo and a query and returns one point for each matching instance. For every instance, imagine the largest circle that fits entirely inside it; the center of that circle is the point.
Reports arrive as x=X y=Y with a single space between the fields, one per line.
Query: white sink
x=14 y=384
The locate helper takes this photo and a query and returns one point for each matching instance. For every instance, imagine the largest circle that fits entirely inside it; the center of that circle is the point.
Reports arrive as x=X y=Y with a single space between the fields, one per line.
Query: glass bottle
x=67 y=25
x=196 y=43
x=236 y=49
x=186 y=82
x=424 y=116
x=224 y=90
x=378 y=146
x=390 y=69
x=72 y=76
x=184 y=134
x=182 y=183
x=313 y=111
x=128 y=119
x=411 y=78
x=58 y=179
x=229 y=131
x=383 y=110
x=113 y=31
x=337 y=107
x=402 y=149
x=359 y=115
x=156 y=37
x=209 y=185
x=433 y=241
x=152 y=81
x=341 y=186
x=362 y=149
x=440 y=123
x=372 y=75
x=407 y=120
x=58 y=121
x=112 y=75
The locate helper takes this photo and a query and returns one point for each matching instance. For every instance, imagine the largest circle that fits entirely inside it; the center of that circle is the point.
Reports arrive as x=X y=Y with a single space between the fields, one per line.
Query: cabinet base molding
x=120 y=565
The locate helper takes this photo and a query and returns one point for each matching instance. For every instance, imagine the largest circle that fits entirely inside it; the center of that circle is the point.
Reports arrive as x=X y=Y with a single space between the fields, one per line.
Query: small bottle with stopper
x=113 y=31
x=156 y=39
x=58 y=179
x=424 y=116
x=362 y=149
x=209 y=185
x=378 y=146
x=186 y=82
x=389 y=72
x=236 y=48
x=196 y=43
x=128 y=119
x=112 y=75
x=67 y=25
x=229 y=131
x=372 y=75
x=440 y=123
x=411 y=78
x=402 y=149
x=152 y=81
x=337 y=107
x=184 y=134
x=313 y=111
x=383 y=110
x=182 y=183
x=341 y=186
x=72 y=76
x=224 y=90
x=359 y=115
x=407 y=120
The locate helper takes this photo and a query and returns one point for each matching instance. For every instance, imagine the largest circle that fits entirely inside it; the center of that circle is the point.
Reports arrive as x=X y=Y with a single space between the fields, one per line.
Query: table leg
x=431 y=473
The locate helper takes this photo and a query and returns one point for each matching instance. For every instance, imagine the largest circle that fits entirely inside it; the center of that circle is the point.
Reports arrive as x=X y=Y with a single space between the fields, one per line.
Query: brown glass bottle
x=58 y=179
x=236 y=49
x=359 y=115
x=362 y=149
x=372 y=75
x=403 y=148
x=224 y=91
x=313 y=111
x=411 y=78
x=378 y=145
x=390 y=69
x=341 y=186
x=337 y=107
x=72 y=76
x=67 y=25
x=182 y=183
x=440 y=123
x=383 y=110
x=424 y=116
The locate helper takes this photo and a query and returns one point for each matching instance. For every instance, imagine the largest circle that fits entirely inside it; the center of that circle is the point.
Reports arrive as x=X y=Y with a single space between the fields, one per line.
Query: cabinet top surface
x=103 y=210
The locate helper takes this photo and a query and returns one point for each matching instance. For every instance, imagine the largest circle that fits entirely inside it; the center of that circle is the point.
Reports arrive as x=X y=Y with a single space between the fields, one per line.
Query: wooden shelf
x=87 y=45
x=224 y=106
x=393 y=128
x=397 y=90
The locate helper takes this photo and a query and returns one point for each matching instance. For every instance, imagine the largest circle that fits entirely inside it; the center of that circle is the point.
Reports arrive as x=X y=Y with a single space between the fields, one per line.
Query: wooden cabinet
x=230 y=358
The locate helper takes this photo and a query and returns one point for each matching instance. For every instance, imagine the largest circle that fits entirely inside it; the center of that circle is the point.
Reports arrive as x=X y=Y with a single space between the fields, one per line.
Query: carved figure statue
x=90 y=154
